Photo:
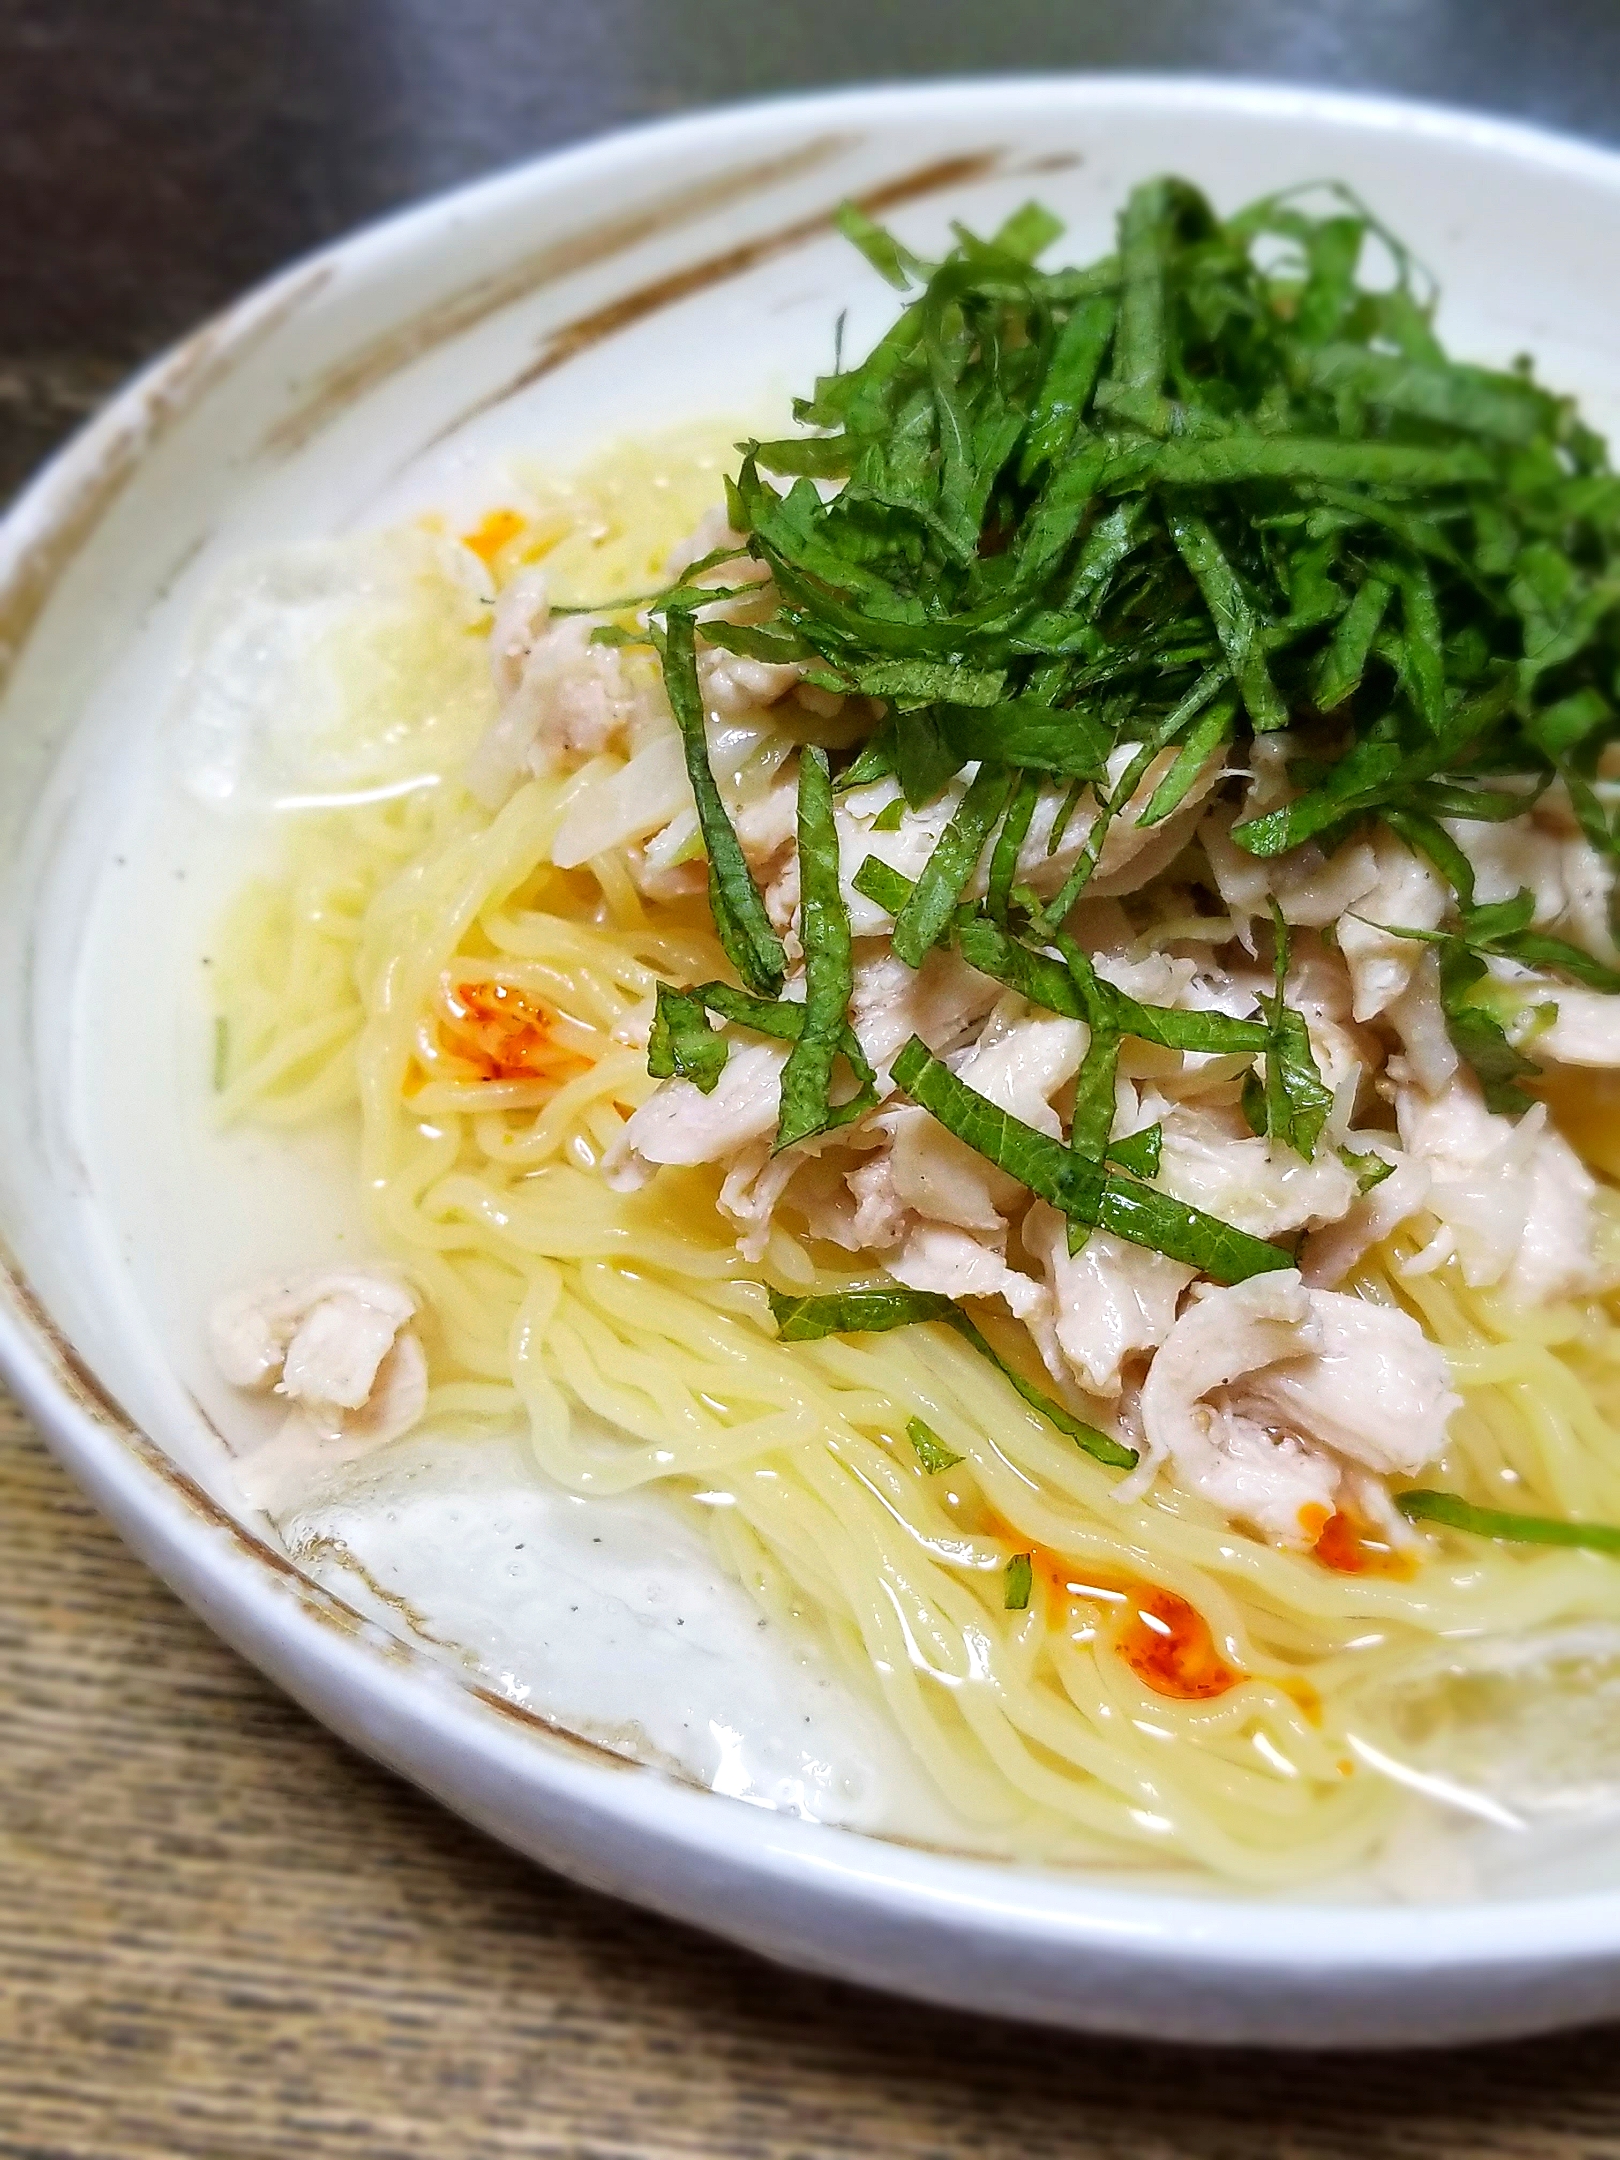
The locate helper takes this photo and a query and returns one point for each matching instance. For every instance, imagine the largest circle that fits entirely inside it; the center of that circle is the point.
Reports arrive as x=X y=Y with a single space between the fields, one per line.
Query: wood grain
x=223 y=1935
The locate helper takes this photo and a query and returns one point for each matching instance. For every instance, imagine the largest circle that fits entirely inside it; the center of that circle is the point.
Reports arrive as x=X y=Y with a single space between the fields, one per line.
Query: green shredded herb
x=1019 y=1581
x=1077 y=1187
x=887 y=888
x=1067 y=495
x=780 y=1018
x=875 y=1311
x=682 y=1045
x=1365 y=1167
x=931 y=1450
x=1139 y=1151
x=1009 y=845
x=1290 y=1103
x=1064 y=523
x=929 y=905
x=807 y=1105
x=1502 y=929
x=744 y=928
x=1459 y=1514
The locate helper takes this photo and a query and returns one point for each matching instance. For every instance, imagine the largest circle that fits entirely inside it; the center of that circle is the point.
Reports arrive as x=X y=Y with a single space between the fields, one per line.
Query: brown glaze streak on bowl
x=587 y=330
x=76 y=1379
x=181 y=382
x=340 y=386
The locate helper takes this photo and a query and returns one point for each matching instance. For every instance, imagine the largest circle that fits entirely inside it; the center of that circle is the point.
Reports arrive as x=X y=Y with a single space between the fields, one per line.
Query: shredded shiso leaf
x=930 y=1449
x=874 y=1311
x=1064 y=523
x=1459 y=1514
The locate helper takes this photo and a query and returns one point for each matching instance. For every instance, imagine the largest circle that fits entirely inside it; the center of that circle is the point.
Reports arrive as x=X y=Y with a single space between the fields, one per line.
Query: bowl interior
x=686 y=276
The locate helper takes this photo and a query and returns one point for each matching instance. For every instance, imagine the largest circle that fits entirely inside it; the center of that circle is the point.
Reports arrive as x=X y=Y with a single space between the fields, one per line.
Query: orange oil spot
x=1166 y=1641
x=1314 y=1519
x=1301 y=1692
x=488 y=538
x=504 y=1034
x=1168 y=1644
x=1348 y=1546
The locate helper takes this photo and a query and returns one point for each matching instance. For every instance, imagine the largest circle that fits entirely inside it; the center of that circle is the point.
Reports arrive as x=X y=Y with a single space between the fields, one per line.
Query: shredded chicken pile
x=1281 y=1399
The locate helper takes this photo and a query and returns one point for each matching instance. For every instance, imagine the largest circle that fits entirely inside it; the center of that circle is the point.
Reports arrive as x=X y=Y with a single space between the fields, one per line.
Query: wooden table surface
x=225 y=1935
x=222 y=1934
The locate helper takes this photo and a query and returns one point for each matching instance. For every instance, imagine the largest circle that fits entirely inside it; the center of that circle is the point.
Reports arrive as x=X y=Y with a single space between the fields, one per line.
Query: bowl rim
x=693 y=1844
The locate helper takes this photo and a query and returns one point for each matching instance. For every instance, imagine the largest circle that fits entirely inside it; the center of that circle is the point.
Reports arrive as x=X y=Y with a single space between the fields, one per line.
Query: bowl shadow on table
x=204 y=1895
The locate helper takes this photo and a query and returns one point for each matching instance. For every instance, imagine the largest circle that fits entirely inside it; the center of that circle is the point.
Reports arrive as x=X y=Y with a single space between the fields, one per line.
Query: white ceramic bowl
x=678 y=271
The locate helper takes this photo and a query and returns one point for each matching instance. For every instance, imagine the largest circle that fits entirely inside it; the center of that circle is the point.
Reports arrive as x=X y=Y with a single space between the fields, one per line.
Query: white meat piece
x=1419 y=1019
x=1019 y=1064
x=1409 y=894
x=338 y=1344
x=933 y=1174
x=1513 y=1200
x=1545 y=852
x=1311 y=889
x=943 y=1001
x=1211 y=1160
x=522 y=616
x=948 y=1261
x=1264 y=1394
x=679 y=1123
x=733 y=685
x=1193 y=986
x=1319 y=988
x=562 y=699
x=856 y=1208
x=1373 y=1386
x=906 y=847
x=753 y=1186
x=767 y=824
x=322 y=1335
x=1132 y=853
x=1021 y=1060
x=1110 y=1300
x=1585 y=1030
x=1330 y=1253
x=880 y=1215
x=1282 y=1485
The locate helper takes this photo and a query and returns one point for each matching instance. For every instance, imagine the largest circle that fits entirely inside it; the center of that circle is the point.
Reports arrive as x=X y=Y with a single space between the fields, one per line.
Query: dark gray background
x=158 y=155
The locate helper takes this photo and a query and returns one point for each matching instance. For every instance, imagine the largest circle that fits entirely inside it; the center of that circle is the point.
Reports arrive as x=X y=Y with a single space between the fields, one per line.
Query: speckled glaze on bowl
x=680 y=270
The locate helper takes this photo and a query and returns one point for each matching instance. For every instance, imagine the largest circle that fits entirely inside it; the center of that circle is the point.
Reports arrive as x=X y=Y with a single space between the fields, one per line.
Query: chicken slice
x=1311 y=889
x=1110 y=1300
x=1211 y=1160
x=1266 y=1396
x=1131 y=853
x=1545 y=853
x=1329 y=1254
x=1420 y=1021
x=562 y=698
x=679 y=1123
x=956 y=1265
x=1584 y=1028
x=338 y=1344
x=943 y=1001
x=1513 y=1200
x=1407 y=893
